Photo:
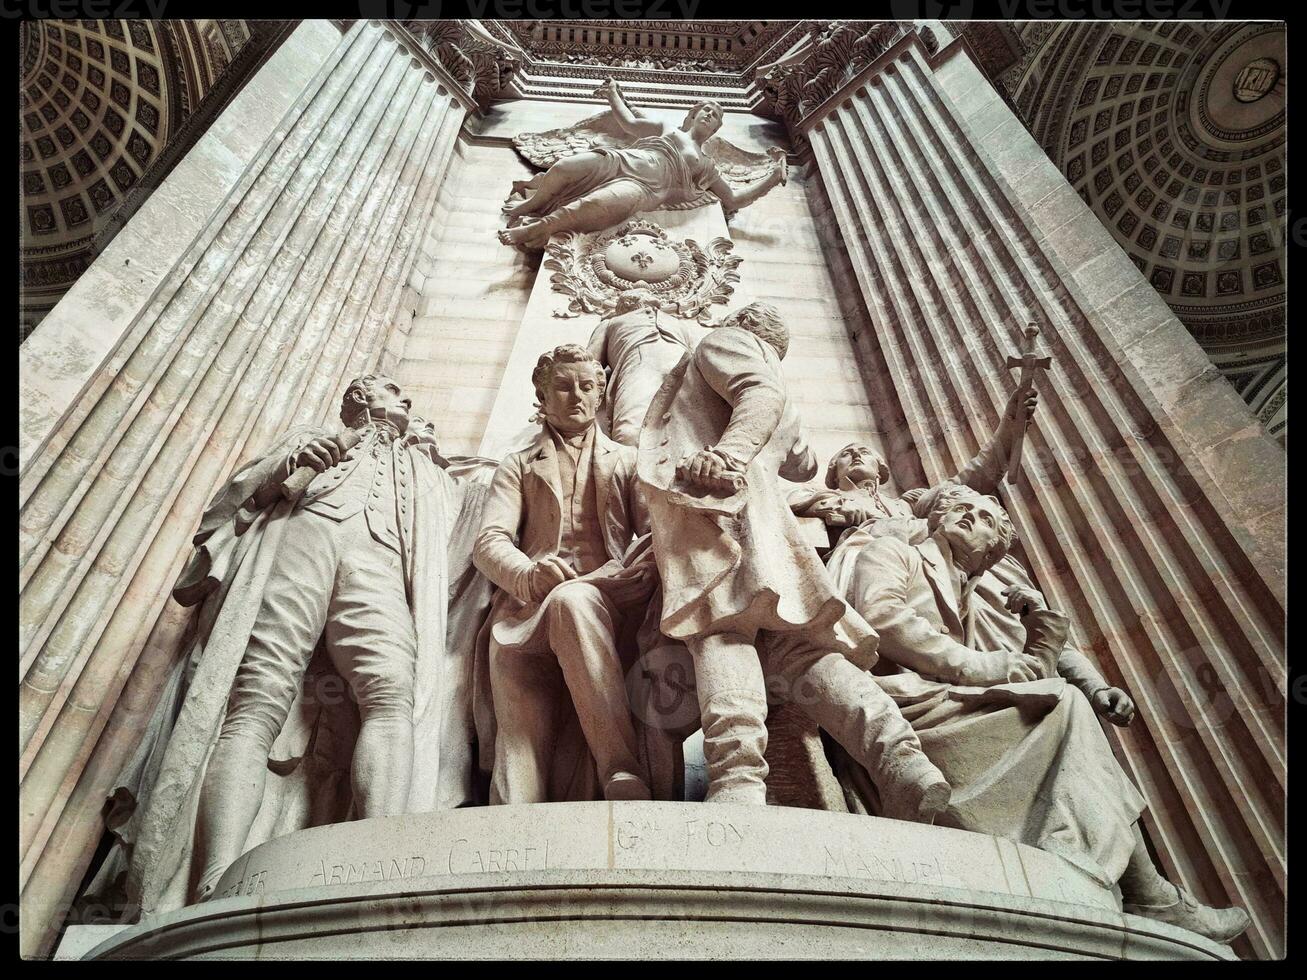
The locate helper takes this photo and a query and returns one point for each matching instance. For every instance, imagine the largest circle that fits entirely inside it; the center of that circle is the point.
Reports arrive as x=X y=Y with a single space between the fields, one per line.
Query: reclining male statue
x=977 y=676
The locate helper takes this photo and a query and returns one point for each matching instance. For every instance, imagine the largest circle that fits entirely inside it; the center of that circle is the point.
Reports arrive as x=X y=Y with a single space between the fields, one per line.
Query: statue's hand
x=632 y=585
x=319 y=454
x=1023 y=601
x=608 y=89
x=782 y=168
x=830 y=512
x=1001 y=667
x=1021 y=405
x=1114 y=705
x=707 y=471
x=841 y=512
x=547 y=574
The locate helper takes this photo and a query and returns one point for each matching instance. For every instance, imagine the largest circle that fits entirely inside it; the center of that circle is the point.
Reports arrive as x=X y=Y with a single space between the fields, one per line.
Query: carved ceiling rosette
x=686 y=278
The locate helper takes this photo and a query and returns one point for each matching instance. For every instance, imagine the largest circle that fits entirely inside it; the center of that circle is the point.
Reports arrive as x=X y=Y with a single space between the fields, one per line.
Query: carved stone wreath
x=686 y=278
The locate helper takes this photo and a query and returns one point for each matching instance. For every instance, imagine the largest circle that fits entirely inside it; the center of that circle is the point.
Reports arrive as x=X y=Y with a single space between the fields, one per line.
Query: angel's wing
x=738 y=167
x=545 y=149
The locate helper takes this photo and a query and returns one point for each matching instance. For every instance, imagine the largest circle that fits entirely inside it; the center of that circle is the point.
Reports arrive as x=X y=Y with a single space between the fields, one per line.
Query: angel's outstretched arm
x=631 y=124
x=733 y=200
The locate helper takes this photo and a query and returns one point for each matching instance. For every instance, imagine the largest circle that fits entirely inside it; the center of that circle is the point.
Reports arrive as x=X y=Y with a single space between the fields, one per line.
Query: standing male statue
x=557 y=541
x=1022 y=749
x=639 y=348
x=742 y=590
x=355 y=569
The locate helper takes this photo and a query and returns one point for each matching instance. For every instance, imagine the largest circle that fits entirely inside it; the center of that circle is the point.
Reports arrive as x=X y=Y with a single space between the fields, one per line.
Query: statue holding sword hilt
x=1026 y=397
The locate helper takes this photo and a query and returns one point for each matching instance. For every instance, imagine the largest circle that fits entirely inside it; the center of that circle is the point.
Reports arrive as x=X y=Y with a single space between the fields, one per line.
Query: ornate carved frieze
x=832 y=53
x=686 y=278
x=618 y=59
x=480 y=63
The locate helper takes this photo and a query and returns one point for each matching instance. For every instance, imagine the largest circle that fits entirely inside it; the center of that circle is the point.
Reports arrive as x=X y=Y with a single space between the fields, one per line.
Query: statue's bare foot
x=528 y=234
x=515 y=209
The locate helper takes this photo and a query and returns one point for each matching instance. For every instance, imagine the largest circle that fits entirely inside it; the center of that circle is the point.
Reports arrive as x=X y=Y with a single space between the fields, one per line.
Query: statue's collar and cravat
x=380 y=432
x=868 y=487
x=574 y=443
x=963 y=585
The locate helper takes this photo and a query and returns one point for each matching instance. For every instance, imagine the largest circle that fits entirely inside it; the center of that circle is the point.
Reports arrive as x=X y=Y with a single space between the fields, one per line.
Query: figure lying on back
x=633 y=164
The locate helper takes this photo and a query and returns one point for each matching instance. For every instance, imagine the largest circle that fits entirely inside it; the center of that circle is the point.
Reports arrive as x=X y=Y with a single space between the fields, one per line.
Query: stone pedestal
x=651 y=880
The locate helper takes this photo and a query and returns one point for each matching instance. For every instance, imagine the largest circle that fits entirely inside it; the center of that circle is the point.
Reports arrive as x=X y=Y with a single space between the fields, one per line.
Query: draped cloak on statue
x=157 y=795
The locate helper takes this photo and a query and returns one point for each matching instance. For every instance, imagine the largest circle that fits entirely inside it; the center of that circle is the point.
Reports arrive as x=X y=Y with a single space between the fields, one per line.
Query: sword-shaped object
x=1030 y=366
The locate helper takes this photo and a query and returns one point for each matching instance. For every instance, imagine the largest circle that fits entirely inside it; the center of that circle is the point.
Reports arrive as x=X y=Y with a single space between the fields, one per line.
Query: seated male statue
x=558 y=527
x=741 y=590
x=1021 y=748
x=355 y=567
x=639 y=346
x=856 y=505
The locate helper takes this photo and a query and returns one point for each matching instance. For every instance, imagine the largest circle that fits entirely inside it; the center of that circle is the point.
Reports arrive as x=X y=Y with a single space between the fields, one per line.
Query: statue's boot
x=208 y=885
x=1218 y=925
x=910 y=786
x=734 y=748
x=626 y=786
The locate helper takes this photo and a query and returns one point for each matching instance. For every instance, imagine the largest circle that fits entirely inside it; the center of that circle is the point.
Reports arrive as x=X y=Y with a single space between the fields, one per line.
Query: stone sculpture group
x=484 y=630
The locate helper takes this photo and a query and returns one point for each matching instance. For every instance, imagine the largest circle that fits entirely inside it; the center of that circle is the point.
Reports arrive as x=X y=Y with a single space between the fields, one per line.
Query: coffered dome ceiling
x=100 y=104
x=1174 y=133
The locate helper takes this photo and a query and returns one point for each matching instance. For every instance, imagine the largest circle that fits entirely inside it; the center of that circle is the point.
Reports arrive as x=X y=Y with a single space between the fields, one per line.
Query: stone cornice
x=834 y=60
x=474 y=66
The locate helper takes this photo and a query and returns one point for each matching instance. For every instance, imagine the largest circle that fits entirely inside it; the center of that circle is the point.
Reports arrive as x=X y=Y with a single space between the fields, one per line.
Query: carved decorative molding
x=833 y=52
x=482 y=65
x=686 y=278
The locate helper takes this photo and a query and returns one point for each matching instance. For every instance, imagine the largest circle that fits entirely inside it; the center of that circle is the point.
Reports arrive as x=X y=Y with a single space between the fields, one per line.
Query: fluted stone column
x=1151 y=506
x=255 y=306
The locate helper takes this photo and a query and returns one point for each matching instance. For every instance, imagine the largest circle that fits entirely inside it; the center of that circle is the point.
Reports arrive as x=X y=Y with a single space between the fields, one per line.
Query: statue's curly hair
x=634 y=299
x=350 y=410
x=703 y=104
x=949 y=495
x=564 y=354
x=763 y=321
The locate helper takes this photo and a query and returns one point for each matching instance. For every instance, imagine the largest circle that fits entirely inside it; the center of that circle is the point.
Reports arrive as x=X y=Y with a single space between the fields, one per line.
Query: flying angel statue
x=605 y=169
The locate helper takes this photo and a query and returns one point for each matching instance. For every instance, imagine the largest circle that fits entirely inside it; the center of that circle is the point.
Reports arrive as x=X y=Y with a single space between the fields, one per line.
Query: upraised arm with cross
x=1031 y=366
